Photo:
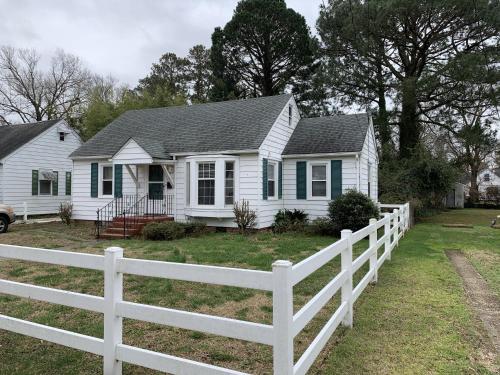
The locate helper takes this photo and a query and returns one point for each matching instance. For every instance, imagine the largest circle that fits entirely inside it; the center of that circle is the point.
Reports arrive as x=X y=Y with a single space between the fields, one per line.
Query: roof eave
x=318 y=155
x=250 y=151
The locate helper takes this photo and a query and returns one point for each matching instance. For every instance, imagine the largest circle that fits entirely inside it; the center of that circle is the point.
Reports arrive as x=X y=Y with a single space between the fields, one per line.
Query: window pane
x=107 y=188
x=229 y=183
x=270 y=188
x=319 y=172
x=319 y=188
x=270 y=171
x=107 y=173
x=206 y=192
x=45 y=187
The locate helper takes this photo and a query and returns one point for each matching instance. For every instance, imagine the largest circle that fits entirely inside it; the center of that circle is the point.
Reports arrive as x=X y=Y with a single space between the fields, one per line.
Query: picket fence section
x=284 y=276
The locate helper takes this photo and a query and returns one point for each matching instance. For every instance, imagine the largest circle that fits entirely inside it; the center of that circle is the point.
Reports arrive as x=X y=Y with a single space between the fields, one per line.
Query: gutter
x=295 y=156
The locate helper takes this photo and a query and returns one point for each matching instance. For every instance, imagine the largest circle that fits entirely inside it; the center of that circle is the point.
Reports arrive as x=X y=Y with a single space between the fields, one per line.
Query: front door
x=156 y=185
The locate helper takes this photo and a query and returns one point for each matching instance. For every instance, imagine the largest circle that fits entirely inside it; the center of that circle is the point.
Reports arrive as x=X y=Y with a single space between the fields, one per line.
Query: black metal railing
x=130 y=209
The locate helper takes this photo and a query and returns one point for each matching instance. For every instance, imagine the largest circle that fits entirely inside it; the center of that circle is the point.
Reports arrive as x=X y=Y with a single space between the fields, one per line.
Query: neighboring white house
x=195 y=162
x=488 y=178
x=35 y=167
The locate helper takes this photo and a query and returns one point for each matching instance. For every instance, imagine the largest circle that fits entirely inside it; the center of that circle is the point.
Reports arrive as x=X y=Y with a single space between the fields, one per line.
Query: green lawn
x=414 y=321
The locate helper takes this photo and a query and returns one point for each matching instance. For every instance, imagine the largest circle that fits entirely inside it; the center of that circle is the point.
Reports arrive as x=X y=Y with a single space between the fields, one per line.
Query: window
x=188 y=184
x=107 y=180
x=487 y=177
x=290 y=115
x=206 y=183
x=61 y=136
x=229 y=183
x=318 y=180
x=45 y=182
x=271 y=180
x=369 y=179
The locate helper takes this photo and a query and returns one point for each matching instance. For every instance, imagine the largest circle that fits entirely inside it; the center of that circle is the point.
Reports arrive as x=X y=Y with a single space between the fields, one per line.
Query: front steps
x=133 y=226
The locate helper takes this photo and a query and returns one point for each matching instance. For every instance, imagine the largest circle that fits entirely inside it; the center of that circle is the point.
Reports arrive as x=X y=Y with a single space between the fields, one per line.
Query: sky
x=121 y=38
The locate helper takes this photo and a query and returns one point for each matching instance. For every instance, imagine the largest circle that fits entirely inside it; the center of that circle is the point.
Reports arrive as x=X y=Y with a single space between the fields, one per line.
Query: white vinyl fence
x=284 y=276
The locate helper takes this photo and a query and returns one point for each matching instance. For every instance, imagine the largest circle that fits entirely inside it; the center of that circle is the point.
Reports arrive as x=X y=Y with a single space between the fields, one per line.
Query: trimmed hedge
x=352 y=210
x=171 y=230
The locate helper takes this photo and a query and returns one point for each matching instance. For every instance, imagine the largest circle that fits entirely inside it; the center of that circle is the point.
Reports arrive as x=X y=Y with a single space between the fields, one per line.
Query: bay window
x=206 y=184
x=229 y=183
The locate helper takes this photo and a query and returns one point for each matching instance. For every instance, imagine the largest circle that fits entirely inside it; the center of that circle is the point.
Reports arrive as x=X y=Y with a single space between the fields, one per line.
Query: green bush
x=164 y=231
x=288 y=220
x=352 y=210
x=194 y=228
x=322 y=226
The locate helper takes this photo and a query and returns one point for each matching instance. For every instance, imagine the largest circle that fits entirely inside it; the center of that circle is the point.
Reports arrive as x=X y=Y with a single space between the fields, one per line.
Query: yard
x=415 y=320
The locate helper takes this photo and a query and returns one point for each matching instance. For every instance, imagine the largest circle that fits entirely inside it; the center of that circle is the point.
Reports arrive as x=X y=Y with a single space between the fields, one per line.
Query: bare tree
x=28 y=93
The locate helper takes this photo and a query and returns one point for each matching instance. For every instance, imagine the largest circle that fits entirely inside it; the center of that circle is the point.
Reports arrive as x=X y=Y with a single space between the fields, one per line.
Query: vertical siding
x=44 y=152
x=315 y=208
x=85 y=207
x=272 y=149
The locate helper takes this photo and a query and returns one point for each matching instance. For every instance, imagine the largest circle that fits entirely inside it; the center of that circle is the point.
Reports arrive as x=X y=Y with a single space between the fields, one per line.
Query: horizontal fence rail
x=284 y=276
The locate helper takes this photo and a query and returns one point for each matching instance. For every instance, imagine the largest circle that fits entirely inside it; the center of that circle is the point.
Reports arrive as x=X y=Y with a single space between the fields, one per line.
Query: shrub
x=287 y=220
x=322 y=226
x=164 y=231
x=352 y=210
x=245 y=218
x=66 y=212
x=194 y=228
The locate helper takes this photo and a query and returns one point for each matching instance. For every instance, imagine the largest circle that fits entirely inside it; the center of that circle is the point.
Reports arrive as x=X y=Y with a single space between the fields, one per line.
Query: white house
x=35 y=167
x=194 y=162
x=489 y=177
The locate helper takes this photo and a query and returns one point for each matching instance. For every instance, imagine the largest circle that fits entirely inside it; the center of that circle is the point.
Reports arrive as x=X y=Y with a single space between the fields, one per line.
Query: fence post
x=374 y=255
x=396 y=224
x=113 y=293
x=346 y=265
x=282 y=318
x=387 y=232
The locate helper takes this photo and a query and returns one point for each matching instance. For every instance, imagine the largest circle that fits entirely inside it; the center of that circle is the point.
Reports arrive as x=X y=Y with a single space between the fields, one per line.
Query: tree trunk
x=474 y=188
x=409 y=132
x=381 y=123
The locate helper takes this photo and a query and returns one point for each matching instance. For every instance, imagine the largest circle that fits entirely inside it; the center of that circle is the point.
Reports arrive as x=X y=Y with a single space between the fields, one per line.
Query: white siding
x=315 y=208
x=1 y=183
x=132 y=153
x=84 y=206
x=369 y=155
x=43 y=152
x=272 y=149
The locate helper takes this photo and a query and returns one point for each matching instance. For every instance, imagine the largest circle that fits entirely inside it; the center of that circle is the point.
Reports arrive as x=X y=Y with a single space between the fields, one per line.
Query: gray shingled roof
x=325 y=135
x=14 y=136
x=230 y=125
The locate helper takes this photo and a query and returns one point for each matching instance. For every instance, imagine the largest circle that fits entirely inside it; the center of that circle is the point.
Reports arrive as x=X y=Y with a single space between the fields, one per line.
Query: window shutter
x=336 y=178
x=280 y=180
x=68 y=183
x=264 y=179
x=55 y=184
x=94 y=180
x=118 y=180
x=34 y=182
x=301 y=180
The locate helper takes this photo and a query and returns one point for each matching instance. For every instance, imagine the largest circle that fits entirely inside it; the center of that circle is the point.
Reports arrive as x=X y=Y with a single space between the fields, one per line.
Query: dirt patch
x=484 y=302
x=458 y=226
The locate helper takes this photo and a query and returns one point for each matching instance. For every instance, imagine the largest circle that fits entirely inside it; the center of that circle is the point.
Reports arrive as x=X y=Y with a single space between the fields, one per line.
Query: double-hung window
x=271 y=180
x=107 y=180
x=318 y=180
x=229 y=183
x=45 y=182
x=206 y=183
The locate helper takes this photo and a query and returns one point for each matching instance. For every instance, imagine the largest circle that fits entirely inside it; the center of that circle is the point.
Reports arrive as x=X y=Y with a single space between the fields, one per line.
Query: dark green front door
x=155 y=182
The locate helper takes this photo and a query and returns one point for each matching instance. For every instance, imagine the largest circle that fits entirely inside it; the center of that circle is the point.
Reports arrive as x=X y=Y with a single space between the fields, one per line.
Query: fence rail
x=284 y=276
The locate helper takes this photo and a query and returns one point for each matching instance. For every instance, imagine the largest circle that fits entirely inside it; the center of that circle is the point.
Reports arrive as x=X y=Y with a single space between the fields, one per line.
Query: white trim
x=93 y=157
x=334 y=154
x=101 y=175
x=214 y=153
x=275 y=164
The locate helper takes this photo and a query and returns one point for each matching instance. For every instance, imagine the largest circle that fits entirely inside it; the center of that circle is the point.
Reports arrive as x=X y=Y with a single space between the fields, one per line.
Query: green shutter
x=94 y=180
x=55 y=184
x=336 y=178
x=301 y=179
x=118 y=180
x=68 y=183
x=280 y=180
x=34 y=182
x=264 y=179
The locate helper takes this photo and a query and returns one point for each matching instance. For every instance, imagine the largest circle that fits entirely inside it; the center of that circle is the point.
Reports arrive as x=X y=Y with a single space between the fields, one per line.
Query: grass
x=414 y=321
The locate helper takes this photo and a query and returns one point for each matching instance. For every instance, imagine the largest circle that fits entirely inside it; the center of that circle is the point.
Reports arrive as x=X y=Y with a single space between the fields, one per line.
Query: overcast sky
x=120 y=37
